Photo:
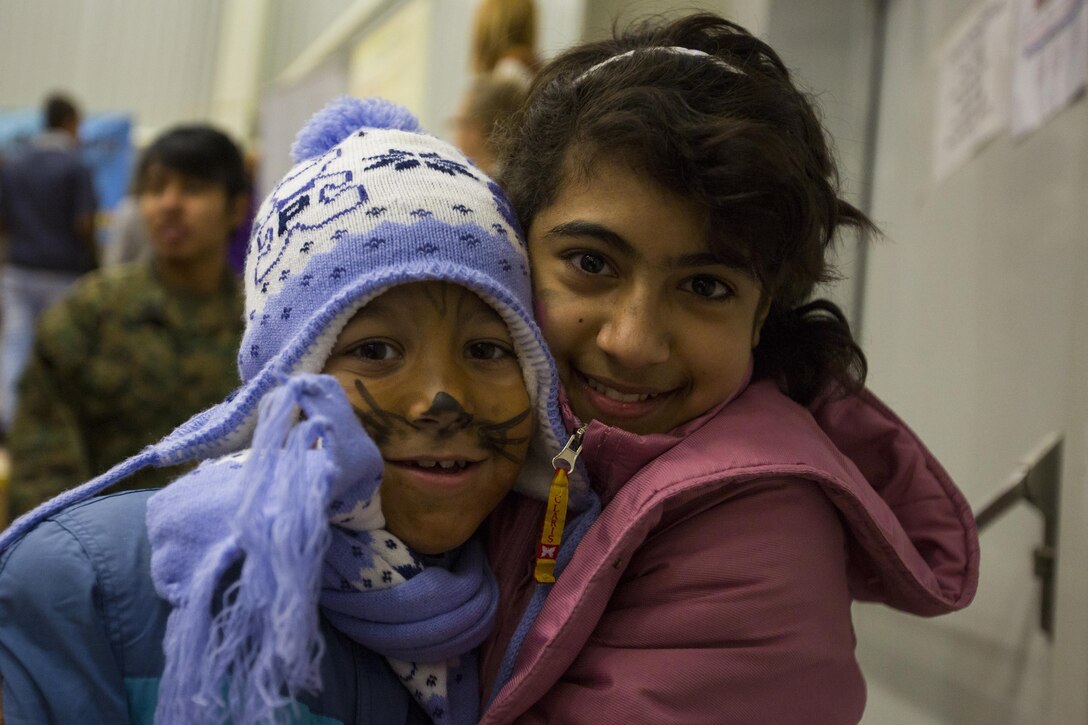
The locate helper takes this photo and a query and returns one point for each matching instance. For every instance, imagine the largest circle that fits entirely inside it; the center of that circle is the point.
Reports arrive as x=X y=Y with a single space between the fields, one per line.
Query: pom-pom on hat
x=371 y=203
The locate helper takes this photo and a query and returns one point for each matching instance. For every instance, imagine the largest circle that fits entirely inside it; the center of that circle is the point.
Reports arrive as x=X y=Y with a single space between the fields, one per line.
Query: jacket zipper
x=570 y=451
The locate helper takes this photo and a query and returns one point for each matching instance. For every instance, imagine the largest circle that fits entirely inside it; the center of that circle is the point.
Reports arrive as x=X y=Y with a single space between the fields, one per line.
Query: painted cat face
x=431 y=371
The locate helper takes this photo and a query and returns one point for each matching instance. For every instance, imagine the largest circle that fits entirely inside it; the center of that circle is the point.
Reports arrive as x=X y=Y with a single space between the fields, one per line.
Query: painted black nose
x=446 y=414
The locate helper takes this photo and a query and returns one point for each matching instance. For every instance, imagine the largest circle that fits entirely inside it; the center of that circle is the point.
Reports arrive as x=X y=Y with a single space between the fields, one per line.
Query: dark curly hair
x=734 y=135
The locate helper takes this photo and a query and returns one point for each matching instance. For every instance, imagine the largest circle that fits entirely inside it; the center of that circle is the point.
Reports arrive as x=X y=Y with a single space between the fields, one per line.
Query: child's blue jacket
x=81 y=637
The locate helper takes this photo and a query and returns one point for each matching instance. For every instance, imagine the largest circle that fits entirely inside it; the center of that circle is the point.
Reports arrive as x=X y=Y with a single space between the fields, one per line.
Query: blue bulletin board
x=105 y=140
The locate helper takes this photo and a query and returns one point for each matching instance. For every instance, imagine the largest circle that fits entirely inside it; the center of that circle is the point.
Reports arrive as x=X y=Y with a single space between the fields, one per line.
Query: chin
x=433 y=548
x=433 y=545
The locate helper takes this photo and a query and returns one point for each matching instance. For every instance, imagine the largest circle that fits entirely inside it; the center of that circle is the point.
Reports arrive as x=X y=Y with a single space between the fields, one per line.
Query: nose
x=444 y=414
x=633 y=333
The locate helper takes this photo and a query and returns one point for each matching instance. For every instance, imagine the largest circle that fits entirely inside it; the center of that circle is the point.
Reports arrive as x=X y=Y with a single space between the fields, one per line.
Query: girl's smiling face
x=431 y=371
x=647 y=328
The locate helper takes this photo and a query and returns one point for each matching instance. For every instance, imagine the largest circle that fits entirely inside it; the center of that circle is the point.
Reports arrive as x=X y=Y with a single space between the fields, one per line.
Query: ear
x=761 y=316
x=238 y=208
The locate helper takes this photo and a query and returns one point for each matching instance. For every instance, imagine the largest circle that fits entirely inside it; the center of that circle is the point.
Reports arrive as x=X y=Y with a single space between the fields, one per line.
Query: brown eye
x=374 y=350
x=707 y=287
x=590 y=263
x=487 y=351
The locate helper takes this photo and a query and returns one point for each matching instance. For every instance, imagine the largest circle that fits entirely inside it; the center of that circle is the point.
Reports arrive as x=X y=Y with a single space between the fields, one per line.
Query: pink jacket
x=716 y=585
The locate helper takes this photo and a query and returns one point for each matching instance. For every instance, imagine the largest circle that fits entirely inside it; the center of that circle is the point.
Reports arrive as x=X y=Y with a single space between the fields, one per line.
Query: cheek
x=211 y=213
x=565 y=324
x=503 y=401
x=347 y=383
x=147 y=205
x=508 y=416
x=222 y=223
x=719 y=369
x=369 y=411
x=502 y=482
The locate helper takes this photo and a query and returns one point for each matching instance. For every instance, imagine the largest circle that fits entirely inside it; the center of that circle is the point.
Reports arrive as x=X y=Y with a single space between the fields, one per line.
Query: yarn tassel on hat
x=247 y=651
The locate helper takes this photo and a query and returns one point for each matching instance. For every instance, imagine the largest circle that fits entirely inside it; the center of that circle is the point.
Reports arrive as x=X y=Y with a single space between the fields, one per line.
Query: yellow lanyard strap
x=552 y=535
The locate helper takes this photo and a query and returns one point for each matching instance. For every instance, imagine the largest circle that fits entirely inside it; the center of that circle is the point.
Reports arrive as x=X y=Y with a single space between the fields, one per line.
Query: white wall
x=975 y=331
x=828 y=47
x=154 y=58
x=293 y=26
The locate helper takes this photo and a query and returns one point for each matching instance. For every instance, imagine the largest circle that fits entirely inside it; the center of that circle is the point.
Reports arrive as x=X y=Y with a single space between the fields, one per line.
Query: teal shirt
x=81 y=630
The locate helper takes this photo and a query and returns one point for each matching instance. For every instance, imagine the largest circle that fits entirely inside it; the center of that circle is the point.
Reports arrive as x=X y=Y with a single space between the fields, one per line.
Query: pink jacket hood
x=916 y=545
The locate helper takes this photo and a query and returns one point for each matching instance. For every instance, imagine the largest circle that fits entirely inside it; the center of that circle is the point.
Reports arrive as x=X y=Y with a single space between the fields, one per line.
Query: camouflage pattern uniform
x=116 y=366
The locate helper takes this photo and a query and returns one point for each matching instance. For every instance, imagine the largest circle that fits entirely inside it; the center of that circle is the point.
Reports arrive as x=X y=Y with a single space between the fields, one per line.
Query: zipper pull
x=555 y=516
x=570 y=452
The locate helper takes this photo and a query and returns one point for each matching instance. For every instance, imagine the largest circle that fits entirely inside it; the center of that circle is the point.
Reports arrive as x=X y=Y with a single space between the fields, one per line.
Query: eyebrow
x=484 y=312
x=582 y=228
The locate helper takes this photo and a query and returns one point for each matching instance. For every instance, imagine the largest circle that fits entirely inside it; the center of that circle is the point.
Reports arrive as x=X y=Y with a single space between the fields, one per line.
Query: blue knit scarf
x=248 y=548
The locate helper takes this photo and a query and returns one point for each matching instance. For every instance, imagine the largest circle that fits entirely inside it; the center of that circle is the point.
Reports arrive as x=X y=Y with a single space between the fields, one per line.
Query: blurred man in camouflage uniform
x=139 y=348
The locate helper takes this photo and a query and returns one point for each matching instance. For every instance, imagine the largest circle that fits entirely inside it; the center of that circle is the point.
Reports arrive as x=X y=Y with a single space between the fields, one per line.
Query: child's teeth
x=617 y=395
x=441 y=464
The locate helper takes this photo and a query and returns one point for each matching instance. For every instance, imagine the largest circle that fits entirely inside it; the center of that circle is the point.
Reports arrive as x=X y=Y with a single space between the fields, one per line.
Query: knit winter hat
x=372 y=202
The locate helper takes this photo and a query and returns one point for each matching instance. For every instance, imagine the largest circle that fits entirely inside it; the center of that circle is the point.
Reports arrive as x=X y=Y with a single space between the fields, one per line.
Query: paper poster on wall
x=1050 y=66
x=391 y=60
x=972 y=86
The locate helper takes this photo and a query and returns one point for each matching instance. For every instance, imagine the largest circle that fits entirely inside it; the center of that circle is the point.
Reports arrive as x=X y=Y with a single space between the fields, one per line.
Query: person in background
x=136 y=349
x=47 y=208
x=504 y=39
x=681 y=202
x=502 y=62
x=490 y=102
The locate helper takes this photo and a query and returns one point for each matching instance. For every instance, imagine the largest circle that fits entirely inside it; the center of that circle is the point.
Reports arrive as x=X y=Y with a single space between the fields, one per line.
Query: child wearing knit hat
x=321 y=562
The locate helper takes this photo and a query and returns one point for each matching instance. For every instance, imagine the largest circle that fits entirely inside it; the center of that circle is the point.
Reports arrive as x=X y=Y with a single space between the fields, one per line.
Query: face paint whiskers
x=379 y=423
x=493 y=436
x=382 y=424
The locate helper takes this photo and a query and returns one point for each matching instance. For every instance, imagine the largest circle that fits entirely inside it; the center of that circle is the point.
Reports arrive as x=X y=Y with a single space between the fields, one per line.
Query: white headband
x=671 y=49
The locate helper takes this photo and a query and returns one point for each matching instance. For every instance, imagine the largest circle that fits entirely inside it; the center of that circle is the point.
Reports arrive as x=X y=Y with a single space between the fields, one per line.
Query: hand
x=356 y=458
